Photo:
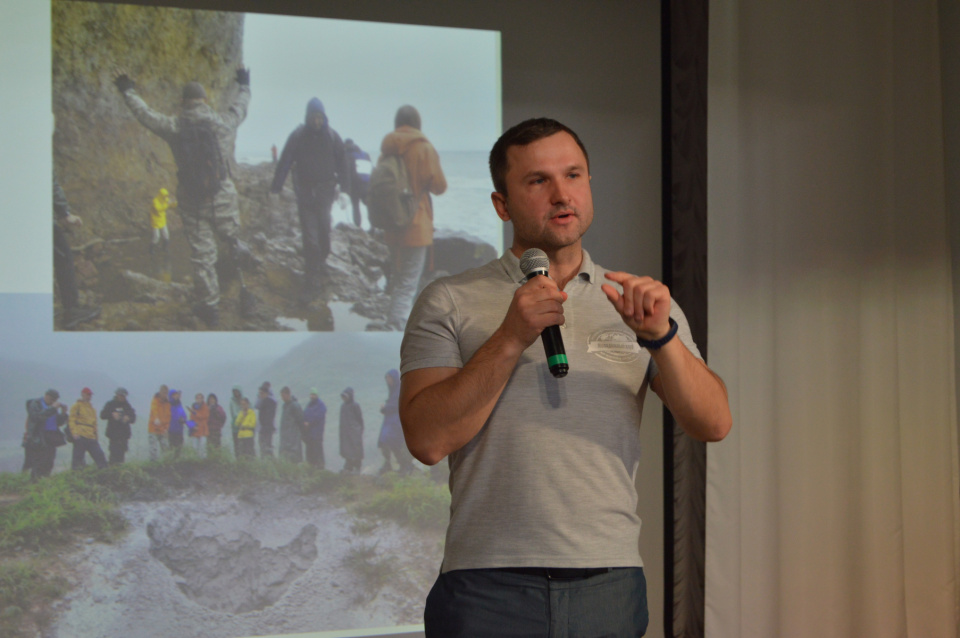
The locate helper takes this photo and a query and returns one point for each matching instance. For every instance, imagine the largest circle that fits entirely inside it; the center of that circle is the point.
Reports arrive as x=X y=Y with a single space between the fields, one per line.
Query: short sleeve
x=431 y=336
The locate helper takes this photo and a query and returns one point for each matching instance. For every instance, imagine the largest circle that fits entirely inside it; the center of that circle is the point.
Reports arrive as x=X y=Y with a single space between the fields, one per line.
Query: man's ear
x=500 y=205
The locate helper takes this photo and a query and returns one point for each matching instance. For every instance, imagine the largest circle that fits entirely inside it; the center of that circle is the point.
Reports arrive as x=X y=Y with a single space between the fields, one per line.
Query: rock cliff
x=108 y=165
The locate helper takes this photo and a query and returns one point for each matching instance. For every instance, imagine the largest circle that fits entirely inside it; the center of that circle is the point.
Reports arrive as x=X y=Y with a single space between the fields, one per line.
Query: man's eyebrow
x=545 y=173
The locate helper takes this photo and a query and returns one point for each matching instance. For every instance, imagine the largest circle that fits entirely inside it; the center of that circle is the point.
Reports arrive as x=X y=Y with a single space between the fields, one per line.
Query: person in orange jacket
x=159 y=423
x=410 y=246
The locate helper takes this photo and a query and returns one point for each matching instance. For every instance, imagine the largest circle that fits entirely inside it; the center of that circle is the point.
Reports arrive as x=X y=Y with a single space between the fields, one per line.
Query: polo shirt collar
x=511 y=264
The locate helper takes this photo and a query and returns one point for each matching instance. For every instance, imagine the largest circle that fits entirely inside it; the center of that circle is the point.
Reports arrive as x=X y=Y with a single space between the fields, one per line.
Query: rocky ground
x=139 y=289
x=261 y=562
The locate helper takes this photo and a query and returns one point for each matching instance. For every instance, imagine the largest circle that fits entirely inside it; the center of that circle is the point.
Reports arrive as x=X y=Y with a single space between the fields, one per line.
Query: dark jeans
x=213 y=439
x=266 y=442
x=493 y=602
x=245 y=448
x=315 y=455
x=176 y=442
x=44 y=456
x=80 y=448
x=118 y=451
x=315 y=227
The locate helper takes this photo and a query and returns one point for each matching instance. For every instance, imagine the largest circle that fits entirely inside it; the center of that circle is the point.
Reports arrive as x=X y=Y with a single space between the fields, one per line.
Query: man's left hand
x=644 y=304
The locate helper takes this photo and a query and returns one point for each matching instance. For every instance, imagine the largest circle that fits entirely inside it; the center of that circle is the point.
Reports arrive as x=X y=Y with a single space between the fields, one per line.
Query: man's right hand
x=536 y=305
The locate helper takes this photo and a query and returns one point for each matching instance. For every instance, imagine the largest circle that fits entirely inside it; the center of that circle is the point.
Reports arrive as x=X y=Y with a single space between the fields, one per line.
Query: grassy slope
x=38 y=521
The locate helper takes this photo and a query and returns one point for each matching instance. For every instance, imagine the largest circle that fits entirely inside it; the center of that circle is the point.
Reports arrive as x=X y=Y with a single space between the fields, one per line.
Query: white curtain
x=832 y=507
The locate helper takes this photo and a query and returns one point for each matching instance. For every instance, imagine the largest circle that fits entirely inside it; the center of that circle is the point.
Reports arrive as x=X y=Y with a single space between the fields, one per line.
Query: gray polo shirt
x=549 y=479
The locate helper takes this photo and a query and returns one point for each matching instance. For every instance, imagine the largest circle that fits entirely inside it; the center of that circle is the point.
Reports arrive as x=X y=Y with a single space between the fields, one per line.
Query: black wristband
x=656 y=344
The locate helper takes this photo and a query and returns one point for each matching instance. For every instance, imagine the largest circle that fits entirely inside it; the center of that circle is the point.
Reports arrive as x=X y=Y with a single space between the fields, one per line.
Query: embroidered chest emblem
x=618 y=346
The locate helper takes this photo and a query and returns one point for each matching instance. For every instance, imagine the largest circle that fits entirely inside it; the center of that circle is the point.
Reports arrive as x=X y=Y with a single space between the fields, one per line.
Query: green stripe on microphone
x=556 y=359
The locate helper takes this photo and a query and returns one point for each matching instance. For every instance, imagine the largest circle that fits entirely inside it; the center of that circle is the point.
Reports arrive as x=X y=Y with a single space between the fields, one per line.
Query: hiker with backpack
x=201 y=141
x=316 y=154
x=43 y=436
x=399 y=202
x=82 y=428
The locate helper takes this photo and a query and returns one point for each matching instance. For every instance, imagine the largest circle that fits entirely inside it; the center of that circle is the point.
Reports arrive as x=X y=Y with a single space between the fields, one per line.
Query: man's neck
x=564 y=262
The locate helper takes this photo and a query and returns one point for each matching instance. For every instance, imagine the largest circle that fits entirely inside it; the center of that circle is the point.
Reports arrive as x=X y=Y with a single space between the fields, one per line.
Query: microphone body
x=534 y=262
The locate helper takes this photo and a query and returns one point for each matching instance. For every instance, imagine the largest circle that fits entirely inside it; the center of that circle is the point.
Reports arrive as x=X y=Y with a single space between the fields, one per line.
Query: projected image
x=225 y=171
x=213 y=485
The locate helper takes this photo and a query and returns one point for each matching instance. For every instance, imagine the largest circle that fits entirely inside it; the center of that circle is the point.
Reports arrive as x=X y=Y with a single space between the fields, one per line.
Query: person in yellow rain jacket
x=158 y=219
x=246 y=421
x=83 y=429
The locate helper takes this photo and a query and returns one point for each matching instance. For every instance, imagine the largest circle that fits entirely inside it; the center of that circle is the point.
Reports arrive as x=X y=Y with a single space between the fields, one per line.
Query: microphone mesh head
x=534 y=260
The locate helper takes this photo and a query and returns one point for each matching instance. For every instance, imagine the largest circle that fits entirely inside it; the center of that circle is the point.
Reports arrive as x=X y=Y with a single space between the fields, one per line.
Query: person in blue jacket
x=314 y=422
x=391 y=439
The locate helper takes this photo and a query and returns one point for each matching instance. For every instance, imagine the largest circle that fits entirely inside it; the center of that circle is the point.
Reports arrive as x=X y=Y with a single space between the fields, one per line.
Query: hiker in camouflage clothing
x=206 y=214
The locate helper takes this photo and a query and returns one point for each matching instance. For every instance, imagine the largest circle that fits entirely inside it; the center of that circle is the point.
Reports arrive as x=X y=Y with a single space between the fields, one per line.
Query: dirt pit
x=270 y=562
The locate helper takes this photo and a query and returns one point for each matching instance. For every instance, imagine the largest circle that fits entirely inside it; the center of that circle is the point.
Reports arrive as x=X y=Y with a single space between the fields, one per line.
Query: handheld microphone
x=534 y=262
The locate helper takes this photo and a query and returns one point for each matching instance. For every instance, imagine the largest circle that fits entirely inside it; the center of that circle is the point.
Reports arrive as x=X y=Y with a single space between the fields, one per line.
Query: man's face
x=548 y=199
x=85 y=396
x=285 y=396
x=315 y=120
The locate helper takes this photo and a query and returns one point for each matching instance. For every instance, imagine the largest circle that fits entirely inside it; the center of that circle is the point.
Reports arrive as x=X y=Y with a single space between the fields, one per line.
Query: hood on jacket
x=315 y=106
x=397 y=142
x=394 y=376
x=348 y=393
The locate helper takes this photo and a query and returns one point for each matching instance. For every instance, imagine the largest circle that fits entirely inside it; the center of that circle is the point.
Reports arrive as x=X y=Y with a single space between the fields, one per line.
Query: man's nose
x=560 y=194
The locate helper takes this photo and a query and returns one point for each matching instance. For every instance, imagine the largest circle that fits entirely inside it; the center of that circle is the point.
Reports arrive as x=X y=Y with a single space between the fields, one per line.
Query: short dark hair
x=407 y=116
x=524 y=133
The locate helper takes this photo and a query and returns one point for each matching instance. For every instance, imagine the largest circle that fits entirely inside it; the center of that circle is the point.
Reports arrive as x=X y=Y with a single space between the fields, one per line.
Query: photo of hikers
x=263 y=173
x=216 y=484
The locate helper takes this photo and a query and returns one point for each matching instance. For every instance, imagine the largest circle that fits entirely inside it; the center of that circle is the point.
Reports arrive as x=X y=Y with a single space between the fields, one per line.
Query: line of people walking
x=172 y=423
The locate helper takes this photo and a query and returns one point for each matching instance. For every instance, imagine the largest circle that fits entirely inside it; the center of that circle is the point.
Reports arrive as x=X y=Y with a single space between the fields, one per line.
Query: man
x=119 y=415
x=410 y=245
x=314 y=423
x=543 y=526
x=64 y=272
x=83 y=427
x=291 y=428
x=267 y=408
x=316 y=154
x=159 y=424
x=201 y=141
x=43 y=436
x=351 y=433
x=236 y=400
x=246 y=424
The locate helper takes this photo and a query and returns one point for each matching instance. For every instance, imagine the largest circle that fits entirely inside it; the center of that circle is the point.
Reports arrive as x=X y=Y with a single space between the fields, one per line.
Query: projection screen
x=308 y=551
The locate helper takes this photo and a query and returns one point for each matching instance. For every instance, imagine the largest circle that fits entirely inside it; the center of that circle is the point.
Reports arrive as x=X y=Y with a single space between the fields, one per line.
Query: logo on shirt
x=617 y=346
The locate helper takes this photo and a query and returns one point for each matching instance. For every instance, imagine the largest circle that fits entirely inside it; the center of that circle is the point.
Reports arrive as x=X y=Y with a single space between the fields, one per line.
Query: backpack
x=390 y=202
x=200 y=167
